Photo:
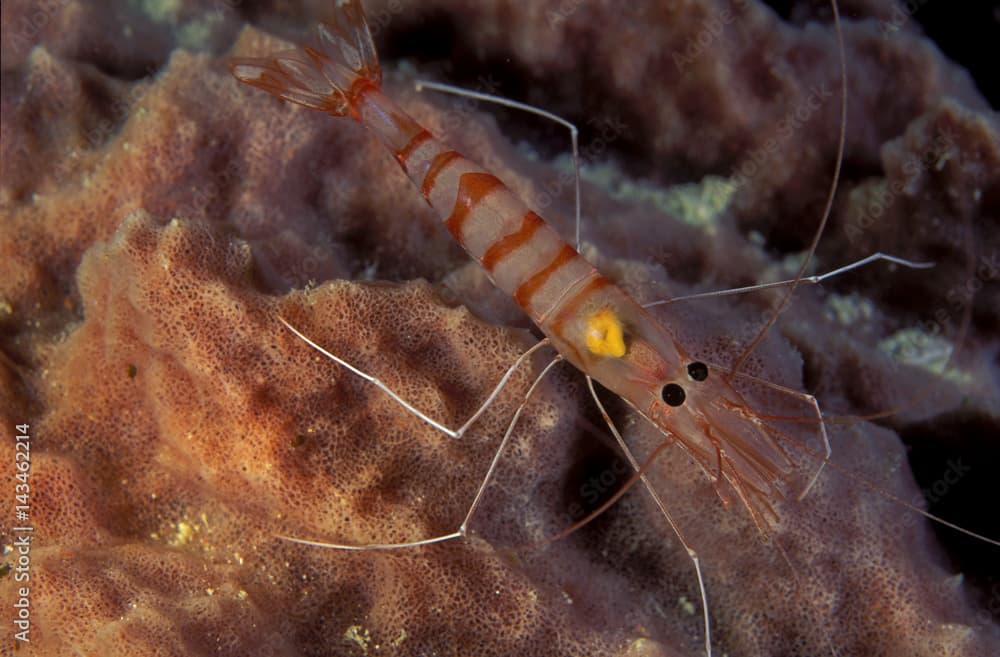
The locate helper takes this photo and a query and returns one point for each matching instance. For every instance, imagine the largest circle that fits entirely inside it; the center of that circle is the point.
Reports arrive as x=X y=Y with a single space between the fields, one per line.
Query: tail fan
x=327 y=77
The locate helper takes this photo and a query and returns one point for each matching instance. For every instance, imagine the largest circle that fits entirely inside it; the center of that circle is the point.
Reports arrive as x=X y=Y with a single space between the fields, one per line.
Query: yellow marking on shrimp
x=605 y=336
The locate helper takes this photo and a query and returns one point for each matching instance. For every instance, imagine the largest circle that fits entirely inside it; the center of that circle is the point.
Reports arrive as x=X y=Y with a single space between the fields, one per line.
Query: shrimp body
x=591 y=322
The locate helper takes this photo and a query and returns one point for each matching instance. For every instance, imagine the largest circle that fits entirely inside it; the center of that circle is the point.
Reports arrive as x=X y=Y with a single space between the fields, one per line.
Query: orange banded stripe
x=352 y=96
x=358 y=87
x=507 y=244
x=440 y=161
x=569 y=306
x=527 y=289
x=403 y=154
x=473 y=187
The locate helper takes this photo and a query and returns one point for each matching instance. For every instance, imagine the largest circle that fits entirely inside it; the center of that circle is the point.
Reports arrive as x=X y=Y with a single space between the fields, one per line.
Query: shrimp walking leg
x=462 y=530
x=811 y=401
x=695 y=560
x=454 y=433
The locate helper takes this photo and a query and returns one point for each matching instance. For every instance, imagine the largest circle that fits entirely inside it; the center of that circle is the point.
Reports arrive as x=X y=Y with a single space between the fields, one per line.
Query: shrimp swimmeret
x=713 y=412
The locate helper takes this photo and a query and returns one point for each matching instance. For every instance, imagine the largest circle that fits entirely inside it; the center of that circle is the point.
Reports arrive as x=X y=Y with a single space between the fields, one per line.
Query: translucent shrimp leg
x=847 y=473
x=462 y=530
x=454 y=433
x=808 y=399
x=637 y=468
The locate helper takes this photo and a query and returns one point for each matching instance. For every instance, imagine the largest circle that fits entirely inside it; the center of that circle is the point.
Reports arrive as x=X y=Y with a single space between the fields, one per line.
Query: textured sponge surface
x=157 y=218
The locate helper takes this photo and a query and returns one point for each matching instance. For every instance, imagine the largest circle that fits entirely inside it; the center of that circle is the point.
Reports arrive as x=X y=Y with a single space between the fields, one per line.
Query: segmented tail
x=328 y=77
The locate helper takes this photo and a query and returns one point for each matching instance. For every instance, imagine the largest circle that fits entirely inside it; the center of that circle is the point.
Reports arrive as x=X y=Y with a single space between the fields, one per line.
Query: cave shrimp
x=589 y=320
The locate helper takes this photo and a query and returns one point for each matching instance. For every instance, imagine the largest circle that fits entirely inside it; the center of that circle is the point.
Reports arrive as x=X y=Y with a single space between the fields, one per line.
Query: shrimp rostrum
x=590 y=321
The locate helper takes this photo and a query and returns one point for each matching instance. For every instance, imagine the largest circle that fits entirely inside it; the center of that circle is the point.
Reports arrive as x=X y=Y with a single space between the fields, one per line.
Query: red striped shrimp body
x=591 y=322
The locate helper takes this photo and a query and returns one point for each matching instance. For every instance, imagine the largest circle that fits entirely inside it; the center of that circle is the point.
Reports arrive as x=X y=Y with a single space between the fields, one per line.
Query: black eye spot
x=698 y=371
x=673 y=394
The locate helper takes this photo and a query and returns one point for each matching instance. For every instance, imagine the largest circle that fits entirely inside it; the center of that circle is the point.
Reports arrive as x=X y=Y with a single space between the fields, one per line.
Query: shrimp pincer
x=589 y=320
